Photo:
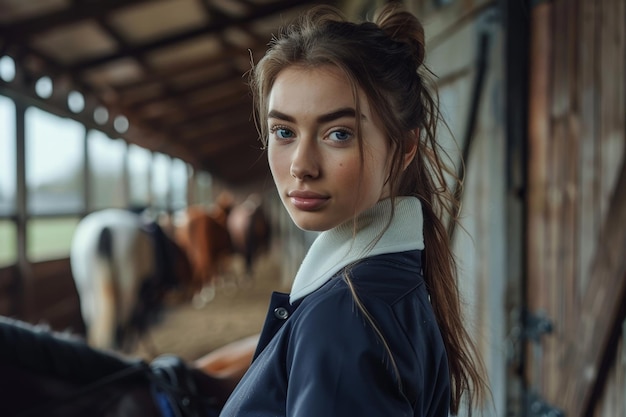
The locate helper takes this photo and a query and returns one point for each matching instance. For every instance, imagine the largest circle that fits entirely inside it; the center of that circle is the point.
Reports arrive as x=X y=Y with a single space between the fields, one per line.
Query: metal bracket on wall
x=526 y=326
x=537 y=407
x=535 y=325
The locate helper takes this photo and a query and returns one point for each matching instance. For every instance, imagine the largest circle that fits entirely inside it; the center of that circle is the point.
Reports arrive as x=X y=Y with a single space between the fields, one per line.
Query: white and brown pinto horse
x=119 y=276
x=124 y=265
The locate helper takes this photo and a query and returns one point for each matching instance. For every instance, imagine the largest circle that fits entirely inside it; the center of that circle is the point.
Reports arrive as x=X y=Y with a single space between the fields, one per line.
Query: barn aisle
x=234 y=313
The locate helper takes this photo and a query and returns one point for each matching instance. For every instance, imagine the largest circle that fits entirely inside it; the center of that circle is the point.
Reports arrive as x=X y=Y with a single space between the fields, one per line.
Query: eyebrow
x=324 y=118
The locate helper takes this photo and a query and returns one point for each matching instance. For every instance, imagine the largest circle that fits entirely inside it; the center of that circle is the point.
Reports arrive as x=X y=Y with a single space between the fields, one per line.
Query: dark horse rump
x=43 y=373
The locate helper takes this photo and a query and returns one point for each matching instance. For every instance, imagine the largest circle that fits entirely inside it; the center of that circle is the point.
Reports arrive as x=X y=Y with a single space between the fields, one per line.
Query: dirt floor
x=235 y=312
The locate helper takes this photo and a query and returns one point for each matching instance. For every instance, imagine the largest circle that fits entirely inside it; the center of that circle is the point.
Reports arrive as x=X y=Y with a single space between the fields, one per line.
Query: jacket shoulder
x=389 y=277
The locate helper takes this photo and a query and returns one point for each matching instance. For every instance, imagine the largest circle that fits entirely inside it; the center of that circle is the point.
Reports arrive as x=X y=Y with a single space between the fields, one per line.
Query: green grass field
x=46 y=239
x=50 y=238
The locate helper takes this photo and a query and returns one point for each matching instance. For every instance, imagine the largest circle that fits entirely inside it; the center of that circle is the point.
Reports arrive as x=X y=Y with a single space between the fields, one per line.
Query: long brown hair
x=384 y=59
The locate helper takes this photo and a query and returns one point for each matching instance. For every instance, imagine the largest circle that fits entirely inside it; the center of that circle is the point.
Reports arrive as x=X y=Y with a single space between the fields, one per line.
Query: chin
x=311 y=227
x=308 y=222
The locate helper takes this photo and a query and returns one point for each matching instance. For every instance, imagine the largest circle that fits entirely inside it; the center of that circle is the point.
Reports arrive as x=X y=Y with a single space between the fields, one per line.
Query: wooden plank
x=588 y=181
x=539 y=132
x=569 y=160
x=612 y=44
x=557 y=204
x=8 y=275
x=601 y=311
x=53 y=296
x=540 y=80
x=613 y=402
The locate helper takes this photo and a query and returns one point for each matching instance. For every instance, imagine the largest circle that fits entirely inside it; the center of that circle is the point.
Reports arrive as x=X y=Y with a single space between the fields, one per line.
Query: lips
x=307 y=200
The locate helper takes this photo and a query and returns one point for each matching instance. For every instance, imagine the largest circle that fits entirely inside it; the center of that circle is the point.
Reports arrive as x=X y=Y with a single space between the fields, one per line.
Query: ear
x=410 y=148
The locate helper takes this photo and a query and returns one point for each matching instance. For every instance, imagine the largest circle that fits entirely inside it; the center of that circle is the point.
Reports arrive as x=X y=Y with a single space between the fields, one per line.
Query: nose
x=305 y=160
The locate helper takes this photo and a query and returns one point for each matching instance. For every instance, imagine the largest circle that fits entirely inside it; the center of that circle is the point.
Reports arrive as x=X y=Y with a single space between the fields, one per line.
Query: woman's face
x=313 y=151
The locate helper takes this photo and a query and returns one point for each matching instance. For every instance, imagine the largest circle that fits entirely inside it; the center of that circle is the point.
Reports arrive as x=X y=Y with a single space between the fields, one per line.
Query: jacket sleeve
x=338 y=366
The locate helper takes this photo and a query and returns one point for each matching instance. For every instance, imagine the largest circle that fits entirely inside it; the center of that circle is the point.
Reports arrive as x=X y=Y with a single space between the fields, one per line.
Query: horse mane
x=66 y=356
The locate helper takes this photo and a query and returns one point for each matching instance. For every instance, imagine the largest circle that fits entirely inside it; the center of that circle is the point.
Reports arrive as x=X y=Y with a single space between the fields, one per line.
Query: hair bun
x=402 y=26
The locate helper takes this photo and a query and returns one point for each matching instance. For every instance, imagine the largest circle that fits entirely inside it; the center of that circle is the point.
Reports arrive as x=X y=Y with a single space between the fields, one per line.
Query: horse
x=124 y=266
x=249 y=230
x=53 y=374
x=203 y=235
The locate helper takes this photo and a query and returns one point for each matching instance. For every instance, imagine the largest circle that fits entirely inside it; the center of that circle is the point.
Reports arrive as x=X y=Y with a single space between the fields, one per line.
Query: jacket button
x=281 y=313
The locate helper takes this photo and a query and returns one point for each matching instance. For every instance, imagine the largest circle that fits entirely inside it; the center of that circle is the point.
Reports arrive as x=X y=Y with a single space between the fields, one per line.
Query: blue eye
x=282 y=132
x=340 y=135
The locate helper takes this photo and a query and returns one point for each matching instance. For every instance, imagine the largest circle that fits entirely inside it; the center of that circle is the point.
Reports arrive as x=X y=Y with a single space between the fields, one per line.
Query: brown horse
x=249 y=230
x=204 y=237
x=220 y=232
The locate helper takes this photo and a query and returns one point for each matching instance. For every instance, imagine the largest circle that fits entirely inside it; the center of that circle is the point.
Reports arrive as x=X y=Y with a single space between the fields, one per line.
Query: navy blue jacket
x=321 y=357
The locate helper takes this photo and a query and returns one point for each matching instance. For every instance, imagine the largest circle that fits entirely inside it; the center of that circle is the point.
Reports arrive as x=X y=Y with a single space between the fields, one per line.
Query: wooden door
x=576 y=241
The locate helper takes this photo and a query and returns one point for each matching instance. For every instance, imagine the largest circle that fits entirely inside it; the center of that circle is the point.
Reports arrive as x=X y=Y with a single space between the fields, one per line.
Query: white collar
x=350 y=241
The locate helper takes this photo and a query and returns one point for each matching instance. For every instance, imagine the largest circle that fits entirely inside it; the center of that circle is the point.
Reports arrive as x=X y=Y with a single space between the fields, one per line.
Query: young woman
x=372 y=326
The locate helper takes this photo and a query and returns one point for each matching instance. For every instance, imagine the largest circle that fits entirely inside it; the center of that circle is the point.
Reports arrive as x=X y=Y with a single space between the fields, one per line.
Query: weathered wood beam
x=259 y=13
x=80 y=10
x=181 y=69
x=228 y=132
x=228 y=81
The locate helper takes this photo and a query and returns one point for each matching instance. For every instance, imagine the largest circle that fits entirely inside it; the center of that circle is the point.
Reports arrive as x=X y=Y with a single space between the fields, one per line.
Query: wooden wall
x=577 y=203
x=8 y=276
x=52 y=297
x=44 y=293
x=547 y=238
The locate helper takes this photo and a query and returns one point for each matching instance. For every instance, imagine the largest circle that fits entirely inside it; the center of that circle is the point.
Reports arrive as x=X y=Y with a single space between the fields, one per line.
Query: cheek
x=276 y=163
x=376 y=166
x=347 y=173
